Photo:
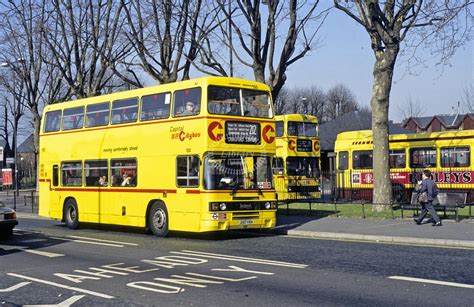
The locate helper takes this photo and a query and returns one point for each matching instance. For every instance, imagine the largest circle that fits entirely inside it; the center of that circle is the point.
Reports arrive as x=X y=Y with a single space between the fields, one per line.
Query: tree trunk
x=383 y=74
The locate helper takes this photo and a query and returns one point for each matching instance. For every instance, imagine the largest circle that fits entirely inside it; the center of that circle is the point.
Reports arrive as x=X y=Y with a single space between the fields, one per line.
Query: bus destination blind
x=242 y=132
x=304 y=145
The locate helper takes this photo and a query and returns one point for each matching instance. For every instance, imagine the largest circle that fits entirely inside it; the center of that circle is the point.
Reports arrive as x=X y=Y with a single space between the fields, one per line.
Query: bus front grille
x=245 y=215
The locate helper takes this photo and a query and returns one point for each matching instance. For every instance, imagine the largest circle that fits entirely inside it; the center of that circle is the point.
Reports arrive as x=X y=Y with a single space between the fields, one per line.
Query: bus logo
x=265 y=134
x=291 y=144
x=316 y=145
x=215 y=131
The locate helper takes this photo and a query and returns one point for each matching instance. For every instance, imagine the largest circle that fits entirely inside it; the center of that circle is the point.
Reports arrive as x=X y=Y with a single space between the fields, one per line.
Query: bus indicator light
x=268 y=134
x=215 y=131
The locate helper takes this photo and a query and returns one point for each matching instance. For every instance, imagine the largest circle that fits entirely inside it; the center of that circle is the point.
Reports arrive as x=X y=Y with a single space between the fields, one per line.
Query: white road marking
x=109 y=241
x=17 y=286
x=98 y=294
x=241 y=259
x=42 y=253
x=65 y=303
x=430 y=281
x=88 y=242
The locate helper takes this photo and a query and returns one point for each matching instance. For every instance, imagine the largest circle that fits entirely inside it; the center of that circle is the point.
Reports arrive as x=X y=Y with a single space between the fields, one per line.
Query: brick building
x=439 y=123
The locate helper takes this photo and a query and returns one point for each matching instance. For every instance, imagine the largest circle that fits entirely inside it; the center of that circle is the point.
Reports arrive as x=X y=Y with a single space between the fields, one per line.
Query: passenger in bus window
x=102 y=181
x=127 y=180
x=189 y=109
x=234 y=109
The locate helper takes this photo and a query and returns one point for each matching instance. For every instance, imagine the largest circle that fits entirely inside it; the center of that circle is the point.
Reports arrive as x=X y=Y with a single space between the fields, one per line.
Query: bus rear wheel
x=158 y=220
x=71 y=215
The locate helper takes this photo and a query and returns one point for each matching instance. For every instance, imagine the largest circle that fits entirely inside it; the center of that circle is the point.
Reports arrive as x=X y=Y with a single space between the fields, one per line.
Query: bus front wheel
x=158 y=219
x=71 y=215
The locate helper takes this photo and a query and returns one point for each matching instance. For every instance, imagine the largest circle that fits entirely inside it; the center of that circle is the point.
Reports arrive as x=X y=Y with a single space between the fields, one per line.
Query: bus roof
x=202 y=81
x=364 y=134
x=297 y=118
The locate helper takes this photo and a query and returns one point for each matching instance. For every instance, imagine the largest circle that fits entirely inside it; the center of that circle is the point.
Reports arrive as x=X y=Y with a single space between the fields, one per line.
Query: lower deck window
x=71 y=174
x=123 y=172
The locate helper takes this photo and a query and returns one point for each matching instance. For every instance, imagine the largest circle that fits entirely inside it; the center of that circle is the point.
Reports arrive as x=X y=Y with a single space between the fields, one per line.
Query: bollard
x=391 y=209
x=24 y=199
x=32 y=202
x=363 y=211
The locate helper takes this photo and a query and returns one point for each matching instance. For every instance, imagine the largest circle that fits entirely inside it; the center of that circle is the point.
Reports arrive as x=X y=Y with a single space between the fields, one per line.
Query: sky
x=344 y=56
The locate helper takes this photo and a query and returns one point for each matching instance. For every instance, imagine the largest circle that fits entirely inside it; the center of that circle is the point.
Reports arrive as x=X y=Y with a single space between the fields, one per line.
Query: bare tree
x=166 y=36
x=468 y=97
x=83 y=37
x=340 y=100
x=411 y=108
x=261 y=47
x=444 y=25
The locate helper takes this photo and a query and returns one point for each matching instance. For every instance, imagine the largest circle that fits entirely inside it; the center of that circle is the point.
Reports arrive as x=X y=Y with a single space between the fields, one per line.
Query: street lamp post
x=16 y=111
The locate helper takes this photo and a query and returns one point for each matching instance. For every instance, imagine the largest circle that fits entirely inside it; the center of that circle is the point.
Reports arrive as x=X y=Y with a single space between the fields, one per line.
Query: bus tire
x=71 y=214
x=158 y=219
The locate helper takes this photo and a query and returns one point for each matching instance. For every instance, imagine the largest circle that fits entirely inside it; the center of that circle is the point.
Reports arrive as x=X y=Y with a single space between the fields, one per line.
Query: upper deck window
x=280 y=126
x=156 y=106
x=238 y=102
x=73 y=118
x=187 y=102
x=125 y=111
x=302 y=129
x=97 y=114
x=52 y=121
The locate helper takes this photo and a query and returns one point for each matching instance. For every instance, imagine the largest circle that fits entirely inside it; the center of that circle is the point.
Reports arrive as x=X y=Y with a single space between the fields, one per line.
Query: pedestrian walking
x=427 y=191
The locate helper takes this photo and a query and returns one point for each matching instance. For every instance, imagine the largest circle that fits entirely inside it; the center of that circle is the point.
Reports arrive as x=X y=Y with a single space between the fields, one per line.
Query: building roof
x=27 y=146
x=352 y=121
x=448 y=121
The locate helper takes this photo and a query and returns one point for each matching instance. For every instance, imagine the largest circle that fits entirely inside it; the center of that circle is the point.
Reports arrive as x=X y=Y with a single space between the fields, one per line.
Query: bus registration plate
x=246 y=222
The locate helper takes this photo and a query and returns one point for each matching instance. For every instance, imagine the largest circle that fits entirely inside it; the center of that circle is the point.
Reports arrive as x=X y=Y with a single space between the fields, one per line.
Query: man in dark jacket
x=428 y=186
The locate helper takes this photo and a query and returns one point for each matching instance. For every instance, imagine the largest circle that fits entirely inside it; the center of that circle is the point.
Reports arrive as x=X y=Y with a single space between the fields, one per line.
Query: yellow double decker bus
x=446 y=154
x=187 y=156
x=296 y=167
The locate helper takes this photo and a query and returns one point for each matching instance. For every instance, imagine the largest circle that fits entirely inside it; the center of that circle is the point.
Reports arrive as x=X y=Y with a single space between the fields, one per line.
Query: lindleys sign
x=451 y=177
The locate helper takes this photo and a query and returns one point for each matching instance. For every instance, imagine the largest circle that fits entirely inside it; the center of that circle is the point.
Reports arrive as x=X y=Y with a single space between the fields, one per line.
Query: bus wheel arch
x=157 y=218
x=71 y=213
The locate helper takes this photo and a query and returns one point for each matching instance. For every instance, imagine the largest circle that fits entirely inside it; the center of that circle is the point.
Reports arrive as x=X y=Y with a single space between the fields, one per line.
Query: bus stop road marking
x=100 y=240
x=43 y=253
x=241 y=259
x=434 y=282
x=98 y=294
x=88 y=242
x=65 y=303
x=17 y=286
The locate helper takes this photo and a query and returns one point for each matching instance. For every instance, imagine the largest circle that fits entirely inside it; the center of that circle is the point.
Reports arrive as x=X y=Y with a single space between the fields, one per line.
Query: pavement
x=394 y=231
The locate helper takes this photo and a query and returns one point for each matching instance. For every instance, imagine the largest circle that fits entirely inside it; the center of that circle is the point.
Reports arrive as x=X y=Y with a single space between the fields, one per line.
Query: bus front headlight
x=222 y=206
x=268 y=205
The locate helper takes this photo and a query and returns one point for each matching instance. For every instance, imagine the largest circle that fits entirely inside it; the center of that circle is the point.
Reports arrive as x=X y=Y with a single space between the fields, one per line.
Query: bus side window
x=278 y=168
x=423 y=157
x=73 y=118
x=155 y=106
x=343 y=162
x=455 y=156
x=279 y=128
x=125 y=111
x=97 y=115
x=362 y=159
x=52 y=121
x=55 y=175
x=123 y=172
x=187 y=171
x=397 y=158
x=185 y=97
x=95 y=173
x=71 y=174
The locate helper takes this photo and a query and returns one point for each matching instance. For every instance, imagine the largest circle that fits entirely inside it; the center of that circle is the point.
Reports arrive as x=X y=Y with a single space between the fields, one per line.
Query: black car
x=7 y=221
